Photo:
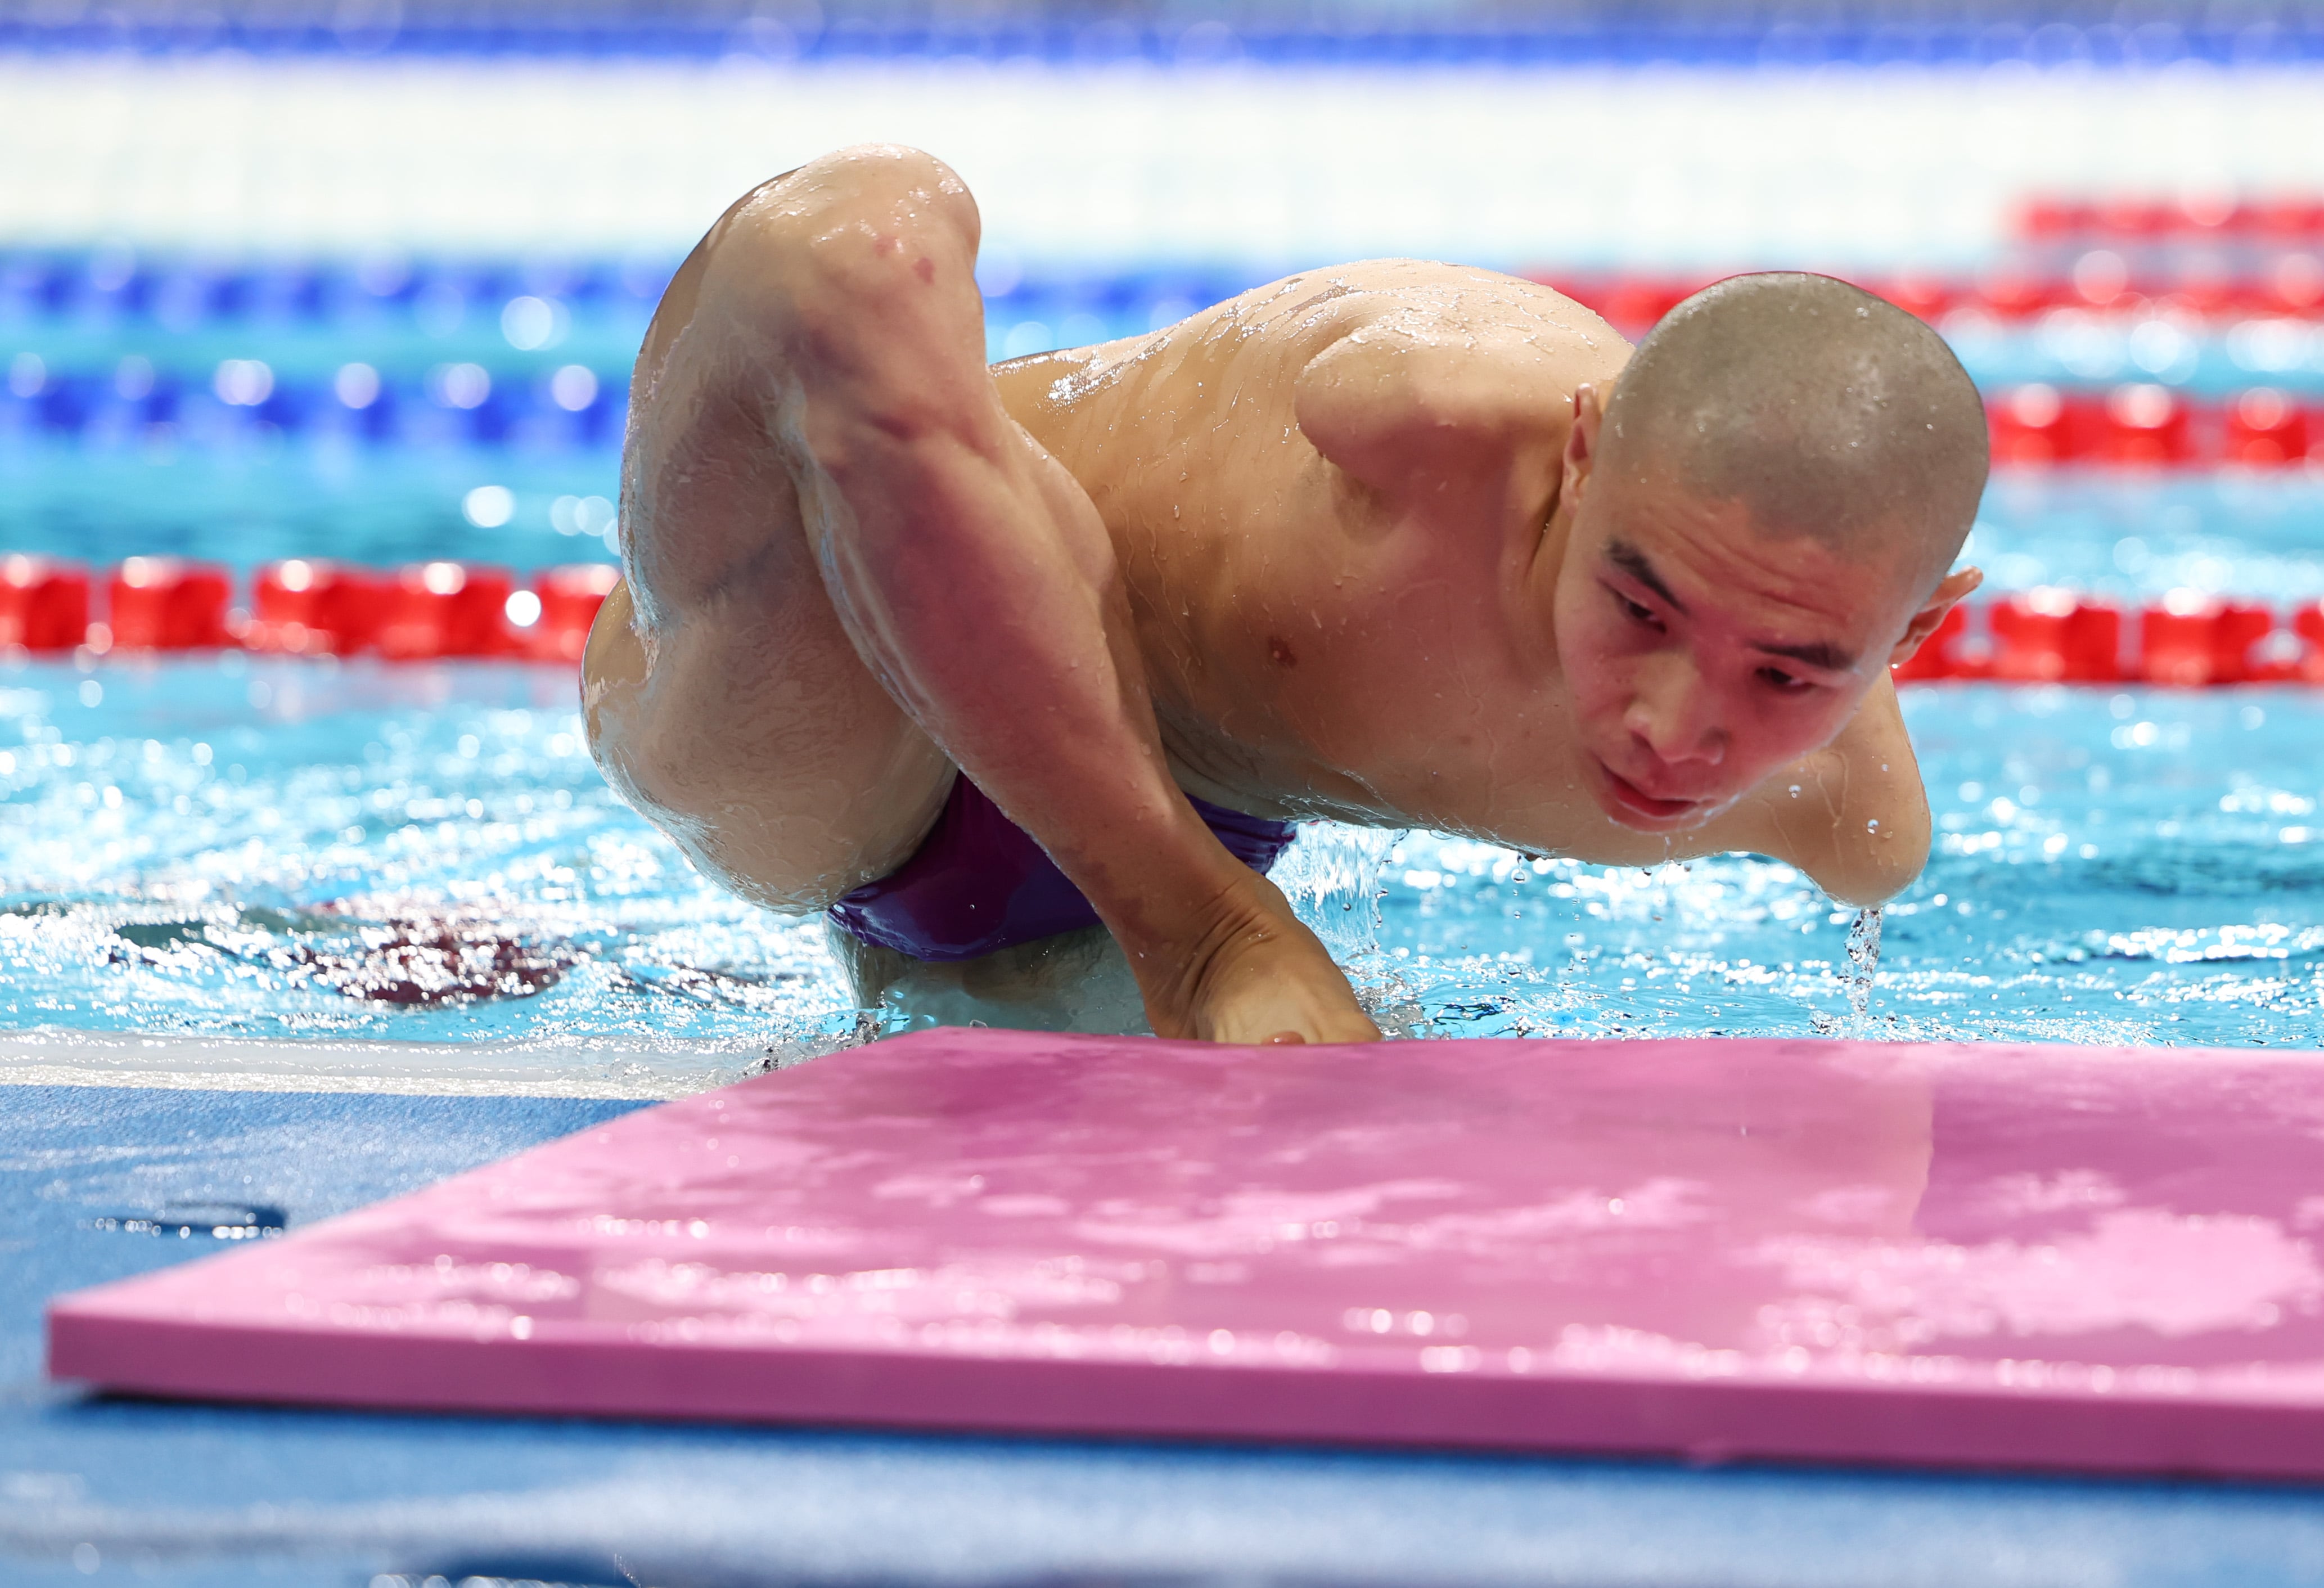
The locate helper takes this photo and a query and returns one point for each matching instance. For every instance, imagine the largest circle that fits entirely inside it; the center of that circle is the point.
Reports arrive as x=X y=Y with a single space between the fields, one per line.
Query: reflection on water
x=242 y=847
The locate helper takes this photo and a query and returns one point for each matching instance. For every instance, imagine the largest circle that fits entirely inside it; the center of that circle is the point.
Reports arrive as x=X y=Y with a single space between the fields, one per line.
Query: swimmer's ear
x=1948 y=594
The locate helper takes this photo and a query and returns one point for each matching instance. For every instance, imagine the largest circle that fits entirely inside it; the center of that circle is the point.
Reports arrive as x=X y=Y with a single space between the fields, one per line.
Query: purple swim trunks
x=978 y=883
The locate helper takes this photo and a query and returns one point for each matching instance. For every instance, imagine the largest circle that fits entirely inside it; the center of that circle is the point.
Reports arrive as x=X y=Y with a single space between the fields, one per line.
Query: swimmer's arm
x=1859 y=824
x=975 y=576
x=1406 y=411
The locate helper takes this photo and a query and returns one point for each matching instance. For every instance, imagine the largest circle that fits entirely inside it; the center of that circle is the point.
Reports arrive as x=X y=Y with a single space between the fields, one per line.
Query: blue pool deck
x=117 y=1490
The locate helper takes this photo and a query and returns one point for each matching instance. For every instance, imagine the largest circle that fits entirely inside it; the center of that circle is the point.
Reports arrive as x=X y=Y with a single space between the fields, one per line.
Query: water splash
x=1857 y=970
x=1863 y=963
x=1335 y=877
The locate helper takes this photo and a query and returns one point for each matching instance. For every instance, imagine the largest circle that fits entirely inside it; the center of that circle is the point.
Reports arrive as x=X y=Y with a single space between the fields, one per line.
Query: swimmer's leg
x=725 y=699
x=837 y=309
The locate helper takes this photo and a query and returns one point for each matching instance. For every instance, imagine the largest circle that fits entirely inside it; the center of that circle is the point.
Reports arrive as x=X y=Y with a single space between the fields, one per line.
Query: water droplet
x=1863 y=963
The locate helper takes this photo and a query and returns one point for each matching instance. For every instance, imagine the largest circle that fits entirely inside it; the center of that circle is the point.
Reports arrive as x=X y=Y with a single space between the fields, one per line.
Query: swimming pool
x=2113 y=864
x=244 y=846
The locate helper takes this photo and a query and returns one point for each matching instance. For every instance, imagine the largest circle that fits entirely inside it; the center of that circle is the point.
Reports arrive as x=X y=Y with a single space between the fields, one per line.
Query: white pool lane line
x=1133 y=165
x=421 y=1069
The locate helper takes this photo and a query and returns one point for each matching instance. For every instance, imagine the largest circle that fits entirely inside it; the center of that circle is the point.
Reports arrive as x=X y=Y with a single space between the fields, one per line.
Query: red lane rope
x=429 y=609
x=2200 y=257
x=2150 y=425
x=302 y=607
x=2102 y=281
x=2187 y=639
x=2283 y=221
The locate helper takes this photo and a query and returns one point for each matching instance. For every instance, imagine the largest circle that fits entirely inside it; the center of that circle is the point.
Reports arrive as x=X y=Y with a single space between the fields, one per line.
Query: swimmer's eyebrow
x=1820 y=654
x=1633 y=562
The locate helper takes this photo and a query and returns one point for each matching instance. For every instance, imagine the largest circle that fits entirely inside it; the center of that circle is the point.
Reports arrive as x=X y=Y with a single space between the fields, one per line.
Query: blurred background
x=284 y=281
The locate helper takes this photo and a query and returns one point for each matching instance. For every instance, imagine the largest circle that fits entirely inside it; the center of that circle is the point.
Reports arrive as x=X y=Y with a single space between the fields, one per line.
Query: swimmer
x=1021 y=672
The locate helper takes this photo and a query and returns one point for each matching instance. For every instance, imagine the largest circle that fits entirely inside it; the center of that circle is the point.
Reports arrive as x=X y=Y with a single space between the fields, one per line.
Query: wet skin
x=1377 y=579
x=1339 y=547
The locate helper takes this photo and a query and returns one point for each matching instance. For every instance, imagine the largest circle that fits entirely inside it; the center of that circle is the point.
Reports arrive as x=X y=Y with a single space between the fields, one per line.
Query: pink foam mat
x=2027 y=1256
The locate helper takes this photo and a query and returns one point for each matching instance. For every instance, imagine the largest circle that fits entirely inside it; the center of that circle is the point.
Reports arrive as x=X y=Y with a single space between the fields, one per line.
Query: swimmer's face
x=1703 y=653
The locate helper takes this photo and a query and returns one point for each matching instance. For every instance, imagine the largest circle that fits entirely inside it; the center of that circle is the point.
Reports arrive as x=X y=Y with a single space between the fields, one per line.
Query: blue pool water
x=242 y=410
x=261 y=847
x=237 y=845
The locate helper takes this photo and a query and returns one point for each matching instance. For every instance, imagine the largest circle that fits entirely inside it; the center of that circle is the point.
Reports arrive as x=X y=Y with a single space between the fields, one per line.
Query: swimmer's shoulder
x=1432 y=371
x=1854 y=815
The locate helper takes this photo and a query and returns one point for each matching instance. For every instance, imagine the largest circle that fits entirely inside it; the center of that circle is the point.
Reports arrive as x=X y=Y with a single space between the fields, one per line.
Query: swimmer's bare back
x=850 y=572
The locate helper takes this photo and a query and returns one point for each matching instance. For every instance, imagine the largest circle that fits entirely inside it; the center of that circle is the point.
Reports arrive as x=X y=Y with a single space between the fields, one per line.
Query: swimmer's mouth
x=1627 y=803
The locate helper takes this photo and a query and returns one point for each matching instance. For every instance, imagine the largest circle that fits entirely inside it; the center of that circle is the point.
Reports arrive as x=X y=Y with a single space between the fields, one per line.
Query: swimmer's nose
x=1703 y=750
x=1671 y=718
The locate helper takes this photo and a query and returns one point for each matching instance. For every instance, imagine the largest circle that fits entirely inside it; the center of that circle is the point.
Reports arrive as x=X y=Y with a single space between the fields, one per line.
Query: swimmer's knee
x=857 y=224
x=795 y=853
x=787 y=862
x=898 y=173
x=858 y=246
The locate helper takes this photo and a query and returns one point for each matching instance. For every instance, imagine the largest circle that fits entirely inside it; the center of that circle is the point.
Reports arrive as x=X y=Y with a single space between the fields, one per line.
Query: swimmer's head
x=1759 y=522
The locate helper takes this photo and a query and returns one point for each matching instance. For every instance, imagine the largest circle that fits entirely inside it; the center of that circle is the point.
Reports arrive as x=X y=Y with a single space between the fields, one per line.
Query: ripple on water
x=253 y=849
x=287 y=850
x=2088 y=883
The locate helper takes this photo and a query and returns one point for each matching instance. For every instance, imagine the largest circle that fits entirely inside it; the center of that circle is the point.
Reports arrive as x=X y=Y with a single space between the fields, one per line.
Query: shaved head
x=1823 y=410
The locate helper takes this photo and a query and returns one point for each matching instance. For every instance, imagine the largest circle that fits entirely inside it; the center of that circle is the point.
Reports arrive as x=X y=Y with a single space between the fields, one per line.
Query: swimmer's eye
x=1787 y=683
x=1633 y=611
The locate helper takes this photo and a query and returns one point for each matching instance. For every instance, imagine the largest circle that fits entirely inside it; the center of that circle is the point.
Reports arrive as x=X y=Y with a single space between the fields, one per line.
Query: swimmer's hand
x=1255 y=974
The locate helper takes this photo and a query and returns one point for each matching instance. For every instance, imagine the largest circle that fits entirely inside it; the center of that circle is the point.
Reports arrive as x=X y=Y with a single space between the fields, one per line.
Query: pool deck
x=496 y=1069
x=218 y=1494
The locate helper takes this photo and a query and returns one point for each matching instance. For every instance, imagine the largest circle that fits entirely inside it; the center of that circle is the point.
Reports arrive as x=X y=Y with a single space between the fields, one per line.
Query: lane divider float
x=2287 y=220
x=2148 y=425
x=2187 y=639
x=2098 y=285
x=424 y=611
x=302 y=607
